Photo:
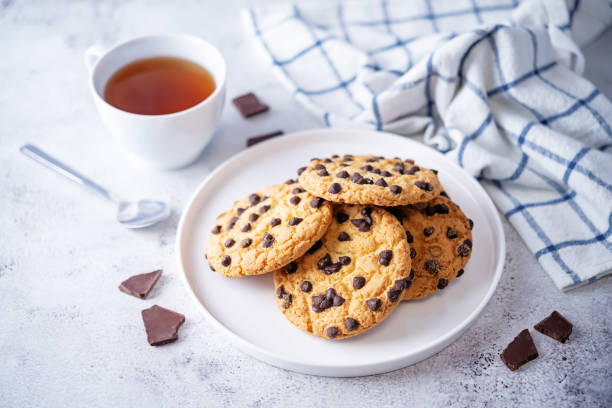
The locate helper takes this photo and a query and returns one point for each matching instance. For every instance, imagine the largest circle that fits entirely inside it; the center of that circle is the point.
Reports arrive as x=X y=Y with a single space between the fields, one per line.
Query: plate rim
x=393 y=363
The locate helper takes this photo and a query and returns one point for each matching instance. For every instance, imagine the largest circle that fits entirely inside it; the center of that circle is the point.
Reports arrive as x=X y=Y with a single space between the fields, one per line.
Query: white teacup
x=160 y=141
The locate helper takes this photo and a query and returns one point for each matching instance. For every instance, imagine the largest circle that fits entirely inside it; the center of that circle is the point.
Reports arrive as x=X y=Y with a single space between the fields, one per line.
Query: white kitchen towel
x=494 y=84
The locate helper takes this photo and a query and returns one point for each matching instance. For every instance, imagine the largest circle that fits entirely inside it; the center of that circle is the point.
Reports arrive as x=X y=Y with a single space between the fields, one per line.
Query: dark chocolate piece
x=140 y=285
x=257 y=139
x=555 y=326
x=161 y=325
x=249 y=105
x=519 y=351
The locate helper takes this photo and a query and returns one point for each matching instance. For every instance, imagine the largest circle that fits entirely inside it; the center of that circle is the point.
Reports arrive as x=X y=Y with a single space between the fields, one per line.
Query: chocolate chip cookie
x=267 y=230
x=351 y=279
x=440 y=238
x=369 y=180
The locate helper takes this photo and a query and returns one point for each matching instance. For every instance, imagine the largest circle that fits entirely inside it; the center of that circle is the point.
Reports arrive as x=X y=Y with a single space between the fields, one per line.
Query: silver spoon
x=138 y=214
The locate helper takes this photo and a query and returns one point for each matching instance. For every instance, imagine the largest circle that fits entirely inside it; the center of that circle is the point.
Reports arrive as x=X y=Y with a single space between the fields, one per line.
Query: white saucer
x=244 y=310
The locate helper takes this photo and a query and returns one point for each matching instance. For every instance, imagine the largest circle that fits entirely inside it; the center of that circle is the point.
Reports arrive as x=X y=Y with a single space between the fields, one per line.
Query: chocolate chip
x=409 y=237
x=373 y=304
x=365 y=180
x=275 y=221
x=356 y=177
x=335 y=156
x=384 y=257
x=358 y=282
x=344 y=260
x=316 y=202
x=460 y=272
x=327 y=160
x=287 y=300
x=442 y=283
x=254 y=199
x=323 y=262
x=211 y=268
x=326 y=304
x=409 y=161
x=314 y=158
x=280 y=291
x=375 y=171
x=351 y=324
x=315 y=247
x=290 y=181
x=371 y=159
x=394 y=295
x=226 y=260
x=430 y=211
x=343 y=165
x=264 y=209
x=395 y=189
x=471 y=223
x=332 y=268
x=246 y=228
x=343 y=236
x=232 y=222
x=428 y=231
x=362 y=224
x=341 y=217
x=555 y=326
x=295 y=200
x=320 y=167
x=403 y=284
x=367 y=167
x=386 y=173
x=301 y=170
x=246 y=242
x=442 y=208
x=331 y=293
x=338 y=301
x=423 y=185
x=381 y=183
x=468 y=242
x=463 y=250
x=334 y=188
x=249 y=105
x=366 y=211
x=253 y=217
x=267 y=240
x=451 y=233
x=323 y=173
x=413 y=253
x=291 y=268
x=432 y=266
x=316 y=300
x=240 y=210
x=216 y=229
x=306 y=286
x=411 y=276
x=412 y=170
x=342 y=174
x=295 y=221
x=332 y=332
x=434 y=171
x=229 y=243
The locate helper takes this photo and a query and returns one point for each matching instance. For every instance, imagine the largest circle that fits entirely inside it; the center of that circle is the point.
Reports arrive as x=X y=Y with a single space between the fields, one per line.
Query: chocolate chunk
x=356 y=177
x=386 y=173
x=264 y=209
x=320 y=167
x=394 y=295
x=334 y=188
x=275 y=221
x=229 y=243
x=249 y=105
x=384 y=257
x=460 y=272
x=555 y=326
x=442 y=283
x=316 y=202
x=161 y=325
x=373 y=304
x=267 y=240
x=432 y=266
x=342 y=174
x=381 y=183
x=232 y=222
x=290 y=181
x=246 y=228
x=226 y=260
x=332 y=332
x=140 y=285
x=451 y=233
x=306 y=286
x=423 y=185
x=341 y=217
x=253 y=217
x=344 y=260
x=291 y=268
x=463 y=250
x=395 y=189
x=323 y=262
x=287 y=299
x=442 y=208
x=245 y=243
x=323 y=173
x=338 y=301
x=413 y=253
x=428 y=231
x=519 y=351
x=409 y=237
x=471 y=223
x=257 y=139
x=315 y=247
x=343 y=236
x=358 y=282
x=295 y=200
x=216 y=230
x=295 y=221
x=301 y=170
x=412 y=170
x=254 y=199
x=351 y=324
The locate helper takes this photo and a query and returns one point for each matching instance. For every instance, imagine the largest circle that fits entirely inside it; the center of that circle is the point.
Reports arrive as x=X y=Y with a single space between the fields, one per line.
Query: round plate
x=245 y=310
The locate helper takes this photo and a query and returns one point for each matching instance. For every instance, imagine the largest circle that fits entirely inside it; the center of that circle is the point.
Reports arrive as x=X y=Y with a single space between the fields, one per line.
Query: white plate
x=245 y=310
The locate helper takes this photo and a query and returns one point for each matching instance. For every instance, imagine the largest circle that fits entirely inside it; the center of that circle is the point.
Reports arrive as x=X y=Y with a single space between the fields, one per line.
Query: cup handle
x=92 y=55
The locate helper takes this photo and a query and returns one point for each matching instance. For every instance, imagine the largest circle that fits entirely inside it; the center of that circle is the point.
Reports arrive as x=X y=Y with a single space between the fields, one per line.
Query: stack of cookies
x=347 y=241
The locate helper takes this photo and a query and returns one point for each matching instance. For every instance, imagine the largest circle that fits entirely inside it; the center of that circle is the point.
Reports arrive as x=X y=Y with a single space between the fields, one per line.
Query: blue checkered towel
x=494 y=84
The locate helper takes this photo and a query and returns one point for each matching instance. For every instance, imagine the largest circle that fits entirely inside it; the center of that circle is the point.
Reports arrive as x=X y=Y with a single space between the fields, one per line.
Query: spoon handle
x=43 y=158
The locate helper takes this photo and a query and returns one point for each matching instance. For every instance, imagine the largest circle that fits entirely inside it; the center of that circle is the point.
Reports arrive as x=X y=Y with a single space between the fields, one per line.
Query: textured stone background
x=68 y=337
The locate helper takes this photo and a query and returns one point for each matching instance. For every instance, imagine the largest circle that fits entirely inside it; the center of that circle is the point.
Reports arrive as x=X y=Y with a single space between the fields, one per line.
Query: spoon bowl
x=142 y=213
